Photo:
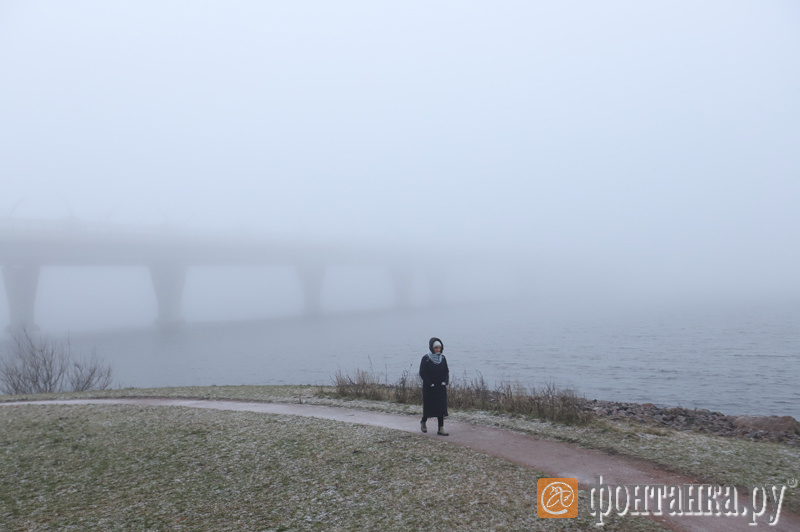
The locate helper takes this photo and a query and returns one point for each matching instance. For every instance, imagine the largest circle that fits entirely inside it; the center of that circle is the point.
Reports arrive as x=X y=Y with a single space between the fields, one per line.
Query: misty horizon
x=618 y=152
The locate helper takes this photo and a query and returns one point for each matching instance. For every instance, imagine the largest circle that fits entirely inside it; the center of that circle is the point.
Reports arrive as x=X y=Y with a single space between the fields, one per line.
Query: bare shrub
x=41 y=364
x=89 y=374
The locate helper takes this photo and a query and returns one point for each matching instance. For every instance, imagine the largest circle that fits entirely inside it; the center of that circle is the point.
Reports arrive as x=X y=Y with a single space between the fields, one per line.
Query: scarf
x=436 y=358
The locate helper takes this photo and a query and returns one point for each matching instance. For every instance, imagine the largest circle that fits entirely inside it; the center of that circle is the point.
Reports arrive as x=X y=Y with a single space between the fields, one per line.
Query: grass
x=552 y=413
x=710 y=458
x=115 y=467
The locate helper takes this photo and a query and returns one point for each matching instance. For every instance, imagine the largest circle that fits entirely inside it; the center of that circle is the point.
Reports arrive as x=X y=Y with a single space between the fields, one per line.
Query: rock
x=773 y=428
x=769 y=424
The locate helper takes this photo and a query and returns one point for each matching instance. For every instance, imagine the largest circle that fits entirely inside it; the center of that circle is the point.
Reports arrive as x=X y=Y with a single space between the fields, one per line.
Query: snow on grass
x=717 y=459
x=116 y=467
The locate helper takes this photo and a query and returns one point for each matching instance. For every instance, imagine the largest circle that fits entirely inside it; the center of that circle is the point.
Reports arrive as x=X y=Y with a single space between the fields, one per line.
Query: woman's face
x=437 y=349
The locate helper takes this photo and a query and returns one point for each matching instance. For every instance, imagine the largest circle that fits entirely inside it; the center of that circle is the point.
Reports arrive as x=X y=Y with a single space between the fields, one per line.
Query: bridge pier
x=402 y=281
x=21 y=282
x=168 y=282
x=311 y=278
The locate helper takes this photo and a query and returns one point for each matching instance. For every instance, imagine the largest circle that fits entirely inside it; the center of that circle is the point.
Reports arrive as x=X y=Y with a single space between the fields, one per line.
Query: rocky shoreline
x=784 y=429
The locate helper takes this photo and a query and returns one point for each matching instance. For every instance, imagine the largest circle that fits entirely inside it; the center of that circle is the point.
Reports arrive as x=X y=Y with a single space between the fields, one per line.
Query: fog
x=623 y=152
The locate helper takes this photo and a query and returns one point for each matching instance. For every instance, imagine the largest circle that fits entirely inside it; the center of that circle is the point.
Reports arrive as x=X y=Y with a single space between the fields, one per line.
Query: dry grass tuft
x=547 y=402
x=362 y=384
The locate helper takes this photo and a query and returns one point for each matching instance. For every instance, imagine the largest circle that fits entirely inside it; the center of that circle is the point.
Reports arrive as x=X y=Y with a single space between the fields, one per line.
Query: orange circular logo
x=557 y=497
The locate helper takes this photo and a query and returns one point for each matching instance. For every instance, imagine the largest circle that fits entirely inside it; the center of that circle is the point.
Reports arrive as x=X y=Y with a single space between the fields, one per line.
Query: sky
x=650 y=146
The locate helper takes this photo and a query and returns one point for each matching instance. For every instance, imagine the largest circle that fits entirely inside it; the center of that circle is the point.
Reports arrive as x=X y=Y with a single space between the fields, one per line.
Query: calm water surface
x=738 y=360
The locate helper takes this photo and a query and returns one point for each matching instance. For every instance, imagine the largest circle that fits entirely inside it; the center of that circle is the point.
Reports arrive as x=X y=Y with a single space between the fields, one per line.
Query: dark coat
x=434 y=398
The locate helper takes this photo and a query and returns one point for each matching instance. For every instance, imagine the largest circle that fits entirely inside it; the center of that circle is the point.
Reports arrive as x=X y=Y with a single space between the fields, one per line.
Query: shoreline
x=782 y=429
x=768 y=428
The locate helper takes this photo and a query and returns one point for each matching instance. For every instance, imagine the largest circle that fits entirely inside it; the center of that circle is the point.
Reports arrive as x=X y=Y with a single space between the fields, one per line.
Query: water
x=737 y=359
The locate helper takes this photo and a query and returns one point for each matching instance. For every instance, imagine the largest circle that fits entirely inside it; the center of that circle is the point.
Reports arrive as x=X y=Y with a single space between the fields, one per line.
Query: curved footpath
x=556 y=459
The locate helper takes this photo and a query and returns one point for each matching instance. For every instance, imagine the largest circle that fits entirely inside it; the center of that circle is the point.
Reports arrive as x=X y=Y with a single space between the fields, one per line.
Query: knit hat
x=433 y=342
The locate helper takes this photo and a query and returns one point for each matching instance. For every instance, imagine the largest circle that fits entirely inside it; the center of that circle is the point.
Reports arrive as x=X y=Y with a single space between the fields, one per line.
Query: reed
x=549 y=401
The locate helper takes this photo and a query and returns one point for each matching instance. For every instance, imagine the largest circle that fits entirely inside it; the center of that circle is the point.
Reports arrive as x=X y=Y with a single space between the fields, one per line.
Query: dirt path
x=553 y=458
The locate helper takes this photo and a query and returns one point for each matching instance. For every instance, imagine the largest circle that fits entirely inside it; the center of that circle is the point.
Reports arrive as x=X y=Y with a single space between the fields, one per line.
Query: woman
x=435 y=379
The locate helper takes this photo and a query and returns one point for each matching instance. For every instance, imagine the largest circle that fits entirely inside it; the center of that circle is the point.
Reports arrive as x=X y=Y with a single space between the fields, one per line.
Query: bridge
x=26 y=246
